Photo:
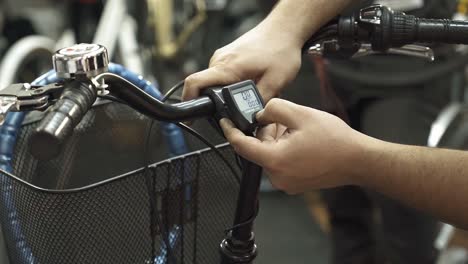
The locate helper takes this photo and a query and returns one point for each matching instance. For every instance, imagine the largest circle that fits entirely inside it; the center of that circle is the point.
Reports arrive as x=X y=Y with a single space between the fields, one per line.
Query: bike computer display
x=242 y=101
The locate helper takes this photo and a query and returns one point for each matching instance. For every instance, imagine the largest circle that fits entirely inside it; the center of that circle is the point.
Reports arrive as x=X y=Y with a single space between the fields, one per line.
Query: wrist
x=299 y=20
x=366 y=159
x=277 y=36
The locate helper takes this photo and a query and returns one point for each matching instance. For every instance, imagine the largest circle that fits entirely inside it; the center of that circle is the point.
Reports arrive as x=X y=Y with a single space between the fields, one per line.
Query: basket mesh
x=175 y=211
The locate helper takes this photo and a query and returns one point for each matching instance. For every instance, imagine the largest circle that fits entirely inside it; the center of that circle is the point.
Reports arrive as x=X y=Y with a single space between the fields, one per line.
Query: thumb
x=282 y=112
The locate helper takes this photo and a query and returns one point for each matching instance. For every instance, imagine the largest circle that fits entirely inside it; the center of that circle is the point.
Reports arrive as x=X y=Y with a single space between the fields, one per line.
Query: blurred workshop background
x=167 y=40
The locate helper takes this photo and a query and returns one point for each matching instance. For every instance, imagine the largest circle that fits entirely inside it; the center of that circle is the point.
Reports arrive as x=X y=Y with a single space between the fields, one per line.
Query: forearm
x=433 y=180
x=300 y=19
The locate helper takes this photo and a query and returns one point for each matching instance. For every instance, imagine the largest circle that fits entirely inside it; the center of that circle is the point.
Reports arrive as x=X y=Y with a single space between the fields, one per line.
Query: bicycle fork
x=239 y=245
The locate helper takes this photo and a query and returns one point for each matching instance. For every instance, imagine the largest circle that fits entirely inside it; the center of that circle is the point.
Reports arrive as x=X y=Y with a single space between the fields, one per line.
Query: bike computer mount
x=239 y=102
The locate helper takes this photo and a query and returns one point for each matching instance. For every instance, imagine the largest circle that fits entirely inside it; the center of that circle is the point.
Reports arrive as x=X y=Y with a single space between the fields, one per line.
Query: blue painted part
x=136 y=79
x=8 y=132
x=175 y=138
x=47 y=78
x=163 y=254
x=13 y=122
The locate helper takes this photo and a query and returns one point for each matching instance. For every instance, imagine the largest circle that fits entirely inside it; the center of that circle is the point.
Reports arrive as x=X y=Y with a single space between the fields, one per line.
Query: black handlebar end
x=397 y=29
x=58 y=124
x=46 y=141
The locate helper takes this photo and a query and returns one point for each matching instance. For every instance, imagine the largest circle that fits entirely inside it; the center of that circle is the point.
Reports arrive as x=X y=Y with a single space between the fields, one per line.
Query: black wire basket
x=99 y=202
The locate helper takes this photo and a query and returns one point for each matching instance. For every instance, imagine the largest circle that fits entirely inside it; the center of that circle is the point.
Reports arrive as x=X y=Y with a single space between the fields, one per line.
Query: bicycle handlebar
x=58 y=124
x=384 y=29
x=432 y=30
x=148 y=105
x=79 y=96
x=395 y=29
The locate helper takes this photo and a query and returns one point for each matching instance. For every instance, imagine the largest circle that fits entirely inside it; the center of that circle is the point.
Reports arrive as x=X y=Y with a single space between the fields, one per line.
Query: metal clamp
x=324 y=48
x=24 y=97
x=331 y=47
x=416 y=51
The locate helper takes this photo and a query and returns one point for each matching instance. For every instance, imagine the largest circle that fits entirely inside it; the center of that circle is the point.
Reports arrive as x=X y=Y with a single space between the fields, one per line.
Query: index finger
x=216 y=75
x=248 y=147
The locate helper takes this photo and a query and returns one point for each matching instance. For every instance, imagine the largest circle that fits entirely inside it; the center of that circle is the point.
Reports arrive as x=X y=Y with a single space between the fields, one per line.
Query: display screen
x=247 y=101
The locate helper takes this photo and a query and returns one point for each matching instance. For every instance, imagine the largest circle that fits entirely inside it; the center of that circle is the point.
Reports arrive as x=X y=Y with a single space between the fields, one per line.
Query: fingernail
x=223 y=122
x=226 y=123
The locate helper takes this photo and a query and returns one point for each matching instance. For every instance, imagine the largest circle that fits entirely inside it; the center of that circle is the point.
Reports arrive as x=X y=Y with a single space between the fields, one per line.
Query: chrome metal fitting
x=81 y=60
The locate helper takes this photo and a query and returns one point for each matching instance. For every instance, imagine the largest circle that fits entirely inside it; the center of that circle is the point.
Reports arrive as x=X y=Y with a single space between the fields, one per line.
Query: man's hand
x=304 y=149
x=269 y=54
x=301 y=148
x=271 y=60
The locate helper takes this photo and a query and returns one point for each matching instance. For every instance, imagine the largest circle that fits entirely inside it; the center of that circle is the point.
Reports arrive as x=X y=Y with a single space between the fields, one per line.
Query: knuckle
x=217 y=52
x=230 y=73
x=217 y=55
x=213 y=61
x=290 y=191
x=279 y=183
x=268 y=107
x=220 y=67
x=274 y=180
x=275 y=185
x=236 y=143
x=221 y=57
x=227 y=58
x=283 y=184
x=191 y=81
x=273 y=104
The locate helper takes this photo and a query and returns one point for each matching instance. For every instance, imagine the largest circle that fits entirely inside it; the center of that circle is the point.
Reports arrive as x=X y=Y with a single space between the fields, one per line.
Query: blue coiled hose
x=8 y=135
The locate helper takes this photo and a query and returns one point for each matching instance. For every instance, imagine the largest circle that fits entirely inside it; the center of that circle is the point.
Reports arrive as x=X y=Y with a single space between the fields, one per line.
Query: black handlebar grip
x=441 y=31
x=403 y=30
x=407 y=29
x=61 y=119
x=397 y=29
